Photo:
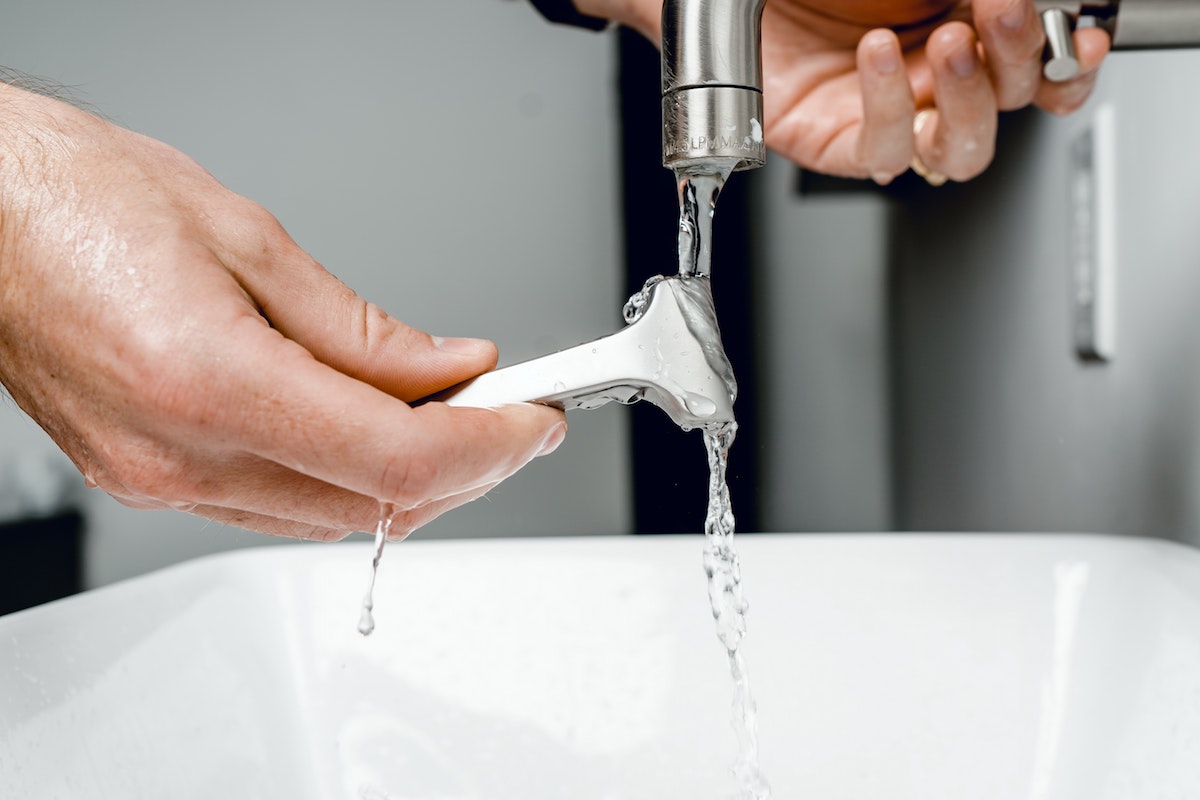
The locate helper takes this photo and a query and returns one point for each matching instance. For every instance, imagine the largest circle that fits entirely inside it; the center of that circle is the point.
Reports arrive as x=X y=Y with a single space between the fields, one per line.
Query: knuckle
x=380 y=333
x=255 y=231
x=175 y=399
x=166 y=395
x=1018 y=92
x=146 y=471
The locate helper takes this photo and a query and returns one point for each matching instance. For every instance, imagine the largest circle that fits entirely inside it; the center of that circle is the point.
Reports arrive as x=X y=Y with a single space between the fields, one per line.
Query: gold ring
x=932 y=177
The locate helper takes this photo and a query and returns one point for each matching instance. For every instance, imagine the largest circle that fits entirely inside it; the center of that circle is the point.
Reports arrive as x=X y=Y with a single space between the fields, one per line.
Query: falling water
x=366 y=621
x=698 y=192
x=729 y=609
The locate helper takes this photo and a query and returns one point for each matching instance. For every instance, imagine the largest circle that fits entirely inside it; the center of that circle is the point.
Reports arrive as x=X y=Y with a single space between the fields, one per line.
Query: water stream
x=729 y=608
x=698 y=192
x=366 y=620
x=699 y=188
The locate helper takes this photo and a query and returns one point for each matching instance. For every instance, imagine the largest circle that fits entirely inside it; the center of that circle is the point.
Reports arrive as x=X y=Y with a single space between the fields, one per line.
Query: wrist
x=22 y=134
x=40 y=144
x=28 y=122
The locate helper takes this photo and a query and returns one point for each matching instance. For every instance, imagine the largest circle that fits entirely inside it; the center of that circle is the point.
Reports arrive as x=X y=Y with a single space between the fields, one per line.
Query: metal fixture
x=712 y=83
x=1131 y=24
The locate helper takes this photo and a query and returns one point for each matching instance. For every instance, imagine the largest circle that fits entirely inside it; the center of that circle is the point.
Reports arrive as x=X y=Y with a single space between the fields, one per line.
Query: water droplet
x=699 y=405
x=366 y=622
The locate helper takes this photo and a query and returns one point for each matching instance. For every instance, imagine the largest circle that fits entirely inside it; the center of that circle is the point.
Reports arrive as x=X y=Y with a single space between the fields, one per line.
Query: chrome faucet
x=670 y=353
x=712 y=84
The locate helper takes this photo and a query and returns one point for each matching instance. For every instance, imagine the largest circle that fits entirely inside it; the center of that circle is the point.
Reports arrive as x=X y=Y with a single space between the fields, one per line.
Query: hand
x=842 y=93
x=845 y=80
x=185 y=353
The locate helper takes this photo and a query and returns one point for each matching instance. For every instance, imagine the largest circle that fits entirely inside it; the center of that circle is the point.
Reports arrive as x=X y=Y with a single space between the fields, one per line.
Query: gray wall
x=821 y=290
x=999 y=426
x=454 y=162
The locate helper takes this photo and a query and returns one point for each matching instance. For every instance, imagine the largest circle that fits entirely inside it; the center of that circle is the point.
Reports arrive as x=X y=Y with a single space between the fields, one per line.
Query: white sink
x=885 y=667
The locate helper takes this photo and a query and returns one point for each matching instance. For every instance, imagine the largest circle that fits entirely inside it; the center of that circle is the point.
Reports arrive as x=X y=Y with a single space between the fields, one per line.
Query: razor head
x=670 y=355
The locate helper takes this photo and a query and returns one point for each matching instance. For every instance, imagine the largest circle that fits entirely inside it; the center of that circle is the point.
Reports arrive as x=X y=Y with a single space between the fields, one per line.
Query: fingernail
x=884 y=57
x=963 y=62
x=553 y=439
x=1014 y=18
x=459 y=346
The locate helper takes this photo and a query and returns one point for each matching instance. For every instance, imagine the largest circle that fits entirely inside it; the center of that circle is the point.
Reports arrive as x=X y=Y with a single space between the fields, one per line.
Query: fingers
x=325 y=477
x=1013 y=40
x=313 y=308
x=261 y=523
x=959 y=135
x=267 y=432
x=403 y=522
x=246 y=484
x=958 y=139
x=300 y=413
x=953 y=139
x=884 y=146
x=252 y=493
x=967 y=77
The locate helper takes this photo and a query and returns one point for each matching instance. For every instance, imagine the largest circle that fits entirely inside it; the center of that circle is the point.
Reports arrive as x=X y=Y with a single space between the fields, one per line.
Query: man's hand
x=186 y=353
x=858 y=88
x=843 y=94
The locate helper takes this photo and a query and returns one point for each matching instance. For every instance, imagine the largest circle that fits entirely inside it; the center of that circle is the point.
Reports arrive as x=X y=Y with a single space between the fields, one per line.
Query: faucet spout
x=712 y=83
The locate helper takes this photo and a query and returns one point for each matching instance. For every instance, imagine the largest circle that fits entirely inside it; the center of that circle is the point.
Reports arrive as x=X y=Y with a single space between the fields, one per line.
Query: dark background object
x=40 y=560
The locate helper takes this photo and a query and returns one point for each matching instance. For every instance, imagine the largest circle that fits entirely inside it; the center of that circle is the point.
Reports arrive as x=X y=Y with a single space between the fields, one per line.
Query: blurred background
x=1019 y=353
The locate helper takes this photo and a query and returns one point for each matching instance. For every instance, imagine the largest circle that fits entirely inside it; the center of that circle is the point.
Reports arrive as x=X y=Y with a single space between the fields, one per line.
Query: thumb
x=310 y=306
